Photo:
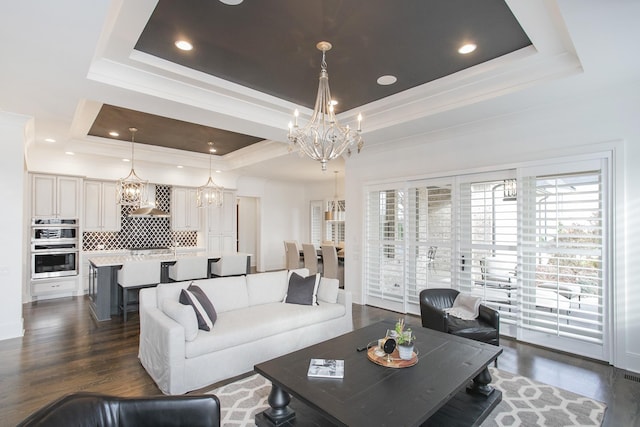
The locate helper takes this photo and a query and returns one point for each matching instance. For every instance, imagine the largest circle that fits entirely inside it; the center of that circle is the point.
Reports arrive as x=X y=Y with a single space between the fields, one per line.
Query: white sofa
x=253 y=325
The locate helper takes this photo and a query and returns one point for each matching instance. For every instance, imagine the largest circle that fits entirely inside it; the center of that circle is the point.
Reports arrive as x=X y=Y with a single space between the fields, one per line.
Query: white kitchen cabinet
x=221 y=225
x=185 y=214
x=101 y=212
x=54 y=287
x=55 y=196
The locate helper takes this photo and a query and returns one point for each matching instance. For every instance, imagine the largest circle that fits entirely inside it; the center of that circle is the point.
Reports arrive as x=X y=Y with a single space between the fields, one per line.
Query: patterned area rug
x=524 y=403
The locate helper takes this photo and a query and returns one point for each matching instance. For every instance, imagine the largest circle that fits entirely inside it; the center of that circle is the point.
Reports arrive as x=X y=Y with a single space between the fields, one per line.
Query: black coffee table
x=432 y=392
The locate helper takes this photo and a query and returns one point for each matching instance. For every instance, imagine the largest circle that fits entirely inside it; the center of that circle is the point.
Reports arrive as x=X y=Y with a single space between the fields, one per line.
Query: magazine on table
x=326 y=368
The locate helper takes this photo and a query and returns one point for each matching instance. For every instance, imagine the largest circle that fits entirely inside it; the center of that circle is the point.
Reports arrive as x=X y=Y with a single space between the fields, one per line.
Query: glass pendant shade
x=323 y=138
x=210 y=194
x=131 y=190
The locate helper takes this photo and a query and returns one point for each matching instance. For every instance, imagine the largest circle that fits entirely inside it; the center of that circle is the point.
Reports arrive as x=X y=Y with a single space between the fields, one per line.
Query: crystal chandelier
x=323 y=138
x=210 y=194
x=132 y=189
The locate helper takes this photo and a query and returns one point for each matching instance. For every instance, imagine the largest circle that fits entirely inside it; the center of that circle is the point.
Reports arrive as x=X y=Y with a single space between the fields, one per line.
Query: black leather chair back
x=98 y=410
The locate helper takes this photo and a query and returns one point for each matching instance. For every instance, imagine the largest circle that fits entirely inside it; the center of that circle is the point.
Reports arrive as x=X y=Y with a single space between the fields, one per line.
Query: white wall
x=14 y=131
x=248 y=227
x=572 y=125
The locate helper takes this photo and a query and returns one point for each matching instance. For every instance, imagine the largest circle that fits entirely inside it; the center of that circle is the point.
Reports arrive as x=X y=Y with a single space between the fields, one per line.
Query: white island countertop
x=118 y=260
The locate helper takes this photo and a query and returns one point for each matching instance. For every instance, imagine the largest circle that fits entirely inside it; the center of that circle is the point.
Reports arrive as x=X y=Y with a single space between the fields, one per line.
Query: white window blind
x=317 y=216
x=385 y=249
x=429 y=238
x=562 y=253
x=487 y=227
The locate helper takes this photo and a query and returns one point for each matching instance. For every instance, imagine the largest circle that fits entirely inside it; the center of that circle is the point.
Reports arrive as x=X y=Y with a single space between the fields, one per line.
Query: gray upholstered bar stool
x=135 y=275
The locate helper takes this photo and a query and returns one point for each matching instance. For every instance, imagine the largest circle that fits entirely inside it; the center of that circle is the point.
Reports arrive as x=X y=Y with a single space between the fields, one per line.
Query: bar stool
x=189 y=268
x=135 y=275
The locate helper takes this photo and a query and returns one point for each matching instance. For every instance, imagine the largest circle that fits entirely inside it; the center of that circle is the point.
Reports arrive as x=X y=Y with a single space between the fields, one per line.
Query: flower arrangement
x=404 y=336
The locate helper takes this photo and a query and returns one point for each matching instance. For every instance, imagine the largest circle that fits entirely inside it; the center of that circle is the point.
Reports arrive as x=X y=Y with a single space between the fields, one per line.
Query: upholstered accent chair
x=485 y=328
x=98 y=410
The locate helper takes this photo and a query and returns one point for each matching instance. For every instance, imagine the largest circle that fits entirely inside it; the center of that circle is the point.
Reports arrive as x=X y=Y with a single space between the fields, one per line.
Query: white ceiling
x=61 y=60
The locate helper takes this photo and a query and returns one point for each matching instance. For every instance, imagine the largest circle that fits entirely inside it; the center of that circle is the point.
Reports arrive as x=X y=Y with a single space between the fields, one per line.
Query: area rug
x=524 y=403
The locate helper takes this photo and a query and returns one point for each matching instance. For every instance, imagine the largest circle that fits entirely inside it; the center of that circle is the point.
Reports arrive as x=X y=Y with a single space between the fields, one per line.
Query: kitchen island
x=103 y=277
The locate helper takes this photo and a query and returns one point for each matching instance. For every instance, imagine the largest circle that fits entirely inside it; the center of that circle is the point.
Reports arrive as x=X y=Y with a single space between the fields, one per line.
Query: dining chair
x=310 y=258
x=292 y=254
x=329 y=262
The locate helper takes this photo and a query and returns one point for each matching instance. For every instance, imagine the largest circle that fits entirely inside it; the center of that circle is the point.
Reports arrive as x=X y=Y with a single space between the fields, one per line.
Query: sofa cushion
x=328 y=290
x=268 y=287
x=258 y=322
x=184 y=315
x=188 y=298
x=226 y=293
x=301 y=290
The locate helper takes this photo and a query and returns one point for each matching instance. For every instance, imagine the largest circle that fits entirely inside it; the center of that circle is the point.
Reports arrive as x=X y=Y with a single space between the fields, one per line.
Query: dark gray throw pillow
x=205 y=312
x=301 y=289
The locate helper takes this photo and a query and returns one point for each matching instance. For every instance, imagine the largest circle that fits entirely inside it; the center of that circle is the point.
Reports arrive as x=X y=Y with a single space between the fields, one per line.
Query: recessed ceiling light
x=218 y=171
x=114 y=134
x=387 y=80
x=126 y=160
x=467 y=48
x=179 y=166
x=69 y=153
x=231 y=2
x=184 y=45
x=333 y=102
x=49 y=140
x=212 y=150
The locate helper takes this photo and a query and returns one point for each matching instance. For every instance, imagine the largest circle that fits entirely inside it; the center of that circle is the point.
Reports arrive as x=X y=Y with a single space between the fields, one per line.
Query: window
x=532 y=242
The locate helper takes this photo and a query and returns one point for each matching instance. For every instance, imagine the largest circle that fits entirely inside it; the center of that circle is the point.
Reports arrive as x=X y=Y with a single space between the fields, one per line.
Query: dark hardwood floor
x=64 y=350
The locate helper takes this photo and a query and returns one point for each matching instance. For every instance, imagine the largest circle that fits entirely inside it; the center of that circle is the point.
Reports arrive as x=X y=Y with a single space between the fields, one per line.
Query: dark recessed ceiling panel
x=165 y=132
x=270 y=45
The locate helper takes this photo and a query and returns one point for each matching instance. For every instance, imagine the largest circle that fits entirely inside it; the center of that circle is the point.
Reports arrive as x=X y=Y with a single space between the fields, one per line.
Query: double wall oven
x=54 y=247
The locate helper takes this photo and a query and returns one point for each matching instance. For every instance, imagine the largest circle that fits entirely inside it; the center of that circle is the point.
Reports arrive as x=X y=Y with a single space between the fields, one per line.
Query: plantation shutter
x=317 y=216
x=429 y=237
x=563 y=246
x=487 y=226
x=385 y=249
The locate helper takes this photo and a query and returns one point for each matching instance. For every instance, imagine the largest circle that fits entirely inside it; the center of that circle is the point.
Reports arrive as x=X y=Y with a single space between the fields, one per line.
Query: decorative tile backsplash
x=141 y=232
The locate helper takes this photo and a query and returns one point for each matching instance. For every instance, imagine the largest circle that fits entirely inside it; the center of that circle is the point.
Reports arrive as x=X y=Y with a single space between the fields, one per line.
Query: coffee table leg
x=279 y=413
x=481 y=383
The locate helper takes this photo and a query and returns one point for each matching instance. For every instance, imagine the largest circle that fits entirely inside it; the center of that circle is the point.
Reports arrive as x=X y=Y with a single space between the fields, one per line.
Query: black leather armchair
x=98 y=410
x=486 y=328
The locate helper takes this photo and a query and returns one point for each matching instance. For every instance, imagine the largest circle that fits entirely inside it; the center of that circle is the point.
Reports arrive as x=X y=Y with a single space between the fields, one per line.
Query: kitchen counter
x=118 y=260
x=103 y=277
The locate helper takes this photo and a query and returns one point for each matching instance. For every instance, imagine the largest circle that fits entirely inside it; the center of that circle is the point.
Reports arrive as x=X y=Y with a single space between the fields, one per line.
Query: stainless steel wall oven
x=54 y=248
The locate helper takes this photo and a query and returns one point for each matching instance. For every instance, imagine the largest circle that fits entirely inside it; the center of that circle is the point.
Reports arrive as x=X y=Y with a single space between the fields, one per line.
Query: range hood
x=149 y=210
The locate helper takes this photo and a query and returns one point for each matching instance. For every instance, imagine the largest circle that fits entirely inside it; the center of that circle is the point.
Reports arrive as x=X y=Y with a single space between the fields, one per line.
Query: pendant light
x=210 y=194
x=132 y=189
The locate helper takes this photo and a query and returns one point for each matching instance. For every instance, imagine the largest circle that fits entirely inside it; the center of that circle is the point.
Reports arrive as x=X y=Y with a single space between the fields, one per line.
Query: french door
x=532 y=242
